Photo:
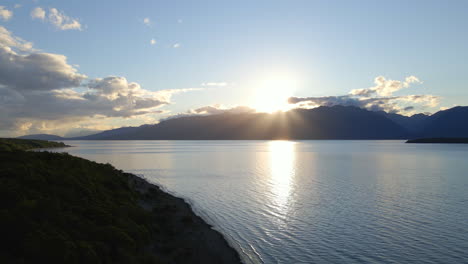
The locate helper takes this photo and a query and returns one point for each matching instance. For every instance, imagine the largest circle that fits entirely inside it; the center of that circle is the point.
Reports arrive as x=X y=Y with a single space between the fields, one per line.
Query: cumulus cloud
x=37 y=71
x=385 y=87
x=377 y=98
x=5 y=14
x=42 y=92
x=38 y=13
x=177 y=45
x=57 y=18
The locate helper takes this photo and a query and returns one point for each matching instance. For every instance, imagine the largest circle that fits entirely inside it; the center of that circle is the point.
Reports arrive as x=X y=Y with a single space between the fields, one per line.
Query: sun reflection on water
x=282 y=159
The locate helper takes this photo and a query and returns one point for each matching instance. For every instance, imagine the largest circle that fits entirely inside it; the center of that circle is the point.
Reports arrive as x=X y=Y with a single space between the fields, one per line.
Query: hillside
x=42 y=137
x=336 y=122
x=57 y=208
x=14 y=144
x=448 y=123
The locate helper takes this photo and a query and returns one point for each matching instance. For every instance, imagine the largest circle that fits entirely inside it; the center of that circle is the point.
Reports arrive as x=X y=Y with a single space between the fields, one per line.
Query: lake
x=313 y=201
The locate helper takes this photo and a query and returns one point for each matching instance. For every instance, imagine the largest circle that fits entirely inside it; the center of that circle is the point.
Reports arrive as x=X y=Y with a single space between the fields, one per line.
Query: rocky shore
x=184 y=236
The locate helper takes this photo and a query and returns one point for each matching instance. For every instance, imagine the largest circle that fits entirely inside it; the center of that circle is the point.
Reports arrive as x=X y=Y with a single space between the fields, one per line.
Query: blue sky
x=322 y=48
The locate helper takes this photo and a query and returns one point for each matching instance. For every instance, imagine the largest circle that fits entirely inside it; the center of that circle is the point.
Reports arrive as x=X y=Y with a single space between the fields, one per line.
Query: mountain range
x=335 y=122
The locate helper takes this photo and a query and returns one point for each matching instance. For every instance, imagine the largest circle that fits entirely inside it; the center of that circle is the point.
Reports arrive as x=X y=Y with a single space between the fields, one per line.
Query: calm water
x=313 y=201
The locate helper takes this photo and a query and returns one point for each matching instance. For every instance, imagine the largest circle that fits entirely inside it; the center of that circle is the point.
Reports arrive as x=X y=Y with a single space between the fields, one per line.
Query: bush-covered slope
x=56 y=208
x=12 y=144
x=60 y=209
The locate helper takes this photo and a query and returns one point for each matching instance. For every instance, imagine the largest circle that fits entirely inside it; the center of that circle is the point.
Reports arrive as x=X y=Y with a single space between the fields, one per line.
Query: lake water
x=313 y=201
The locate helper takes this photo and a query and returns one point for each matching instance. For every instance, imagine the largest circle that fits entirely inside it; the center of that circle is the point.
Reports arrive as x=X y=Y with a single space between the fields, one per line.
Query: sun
x=272 y=94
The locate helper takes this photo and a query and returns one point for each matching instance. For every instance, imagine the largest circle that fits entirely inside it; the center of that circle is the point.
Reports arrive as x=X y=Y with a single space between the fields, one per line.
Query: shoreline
x=440 y=140
x=199 y=241
x=124 y=217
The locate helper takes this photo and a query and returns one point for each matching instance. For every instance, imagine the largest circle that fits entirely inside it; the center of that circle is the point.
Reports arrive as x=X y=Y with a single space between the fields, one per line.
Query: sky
x=71 y=67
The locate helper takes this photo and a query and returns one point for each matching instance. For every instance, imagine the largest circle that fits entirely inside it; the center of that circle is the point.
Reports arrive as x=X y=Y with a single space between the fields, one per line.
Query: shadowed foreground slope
x=57 y=208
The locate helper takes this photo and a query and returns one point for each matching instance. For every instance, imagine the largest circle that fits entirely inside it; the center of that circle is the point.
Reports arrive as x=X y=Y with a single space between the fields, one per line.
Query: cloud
x=177 y=45
x=147 y=21
x=219 y=109
x=17 y=6
x=38 y=13
x=63 y=22
x=385 y=87
x=215 y=84
x=180 y=21
x=43 y=92
x=8 y=40
x=5 y=14
x=377 y=98
x=212 y=110
x=37 y=71
x=153 y=41
x=57 y=18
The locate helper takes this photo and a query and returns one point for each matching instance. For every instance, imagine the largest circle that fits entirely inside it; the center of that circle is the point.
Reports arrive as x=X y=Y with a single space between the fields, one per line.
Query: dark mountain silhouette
x=109 y=133
x=413 y=124
x=448 y=123
x=337 y=122
x=42 y=137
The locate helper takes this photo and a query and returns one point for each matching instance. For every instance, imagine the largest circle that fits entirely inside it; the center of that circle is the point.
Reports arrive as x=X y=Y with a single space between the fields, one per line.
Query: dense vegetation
x=57 y=208
x=61 y=209
x=14 y=144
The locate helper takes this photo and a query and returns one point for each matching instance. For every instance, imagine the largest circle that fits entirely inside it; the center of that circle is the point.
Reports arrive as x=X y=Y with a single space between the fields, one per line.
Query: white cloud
x=38 y=13
x=180 y=21
x=215 y=84
x=153 y=41
x=212 y=110
x=219 y=109
x=57 y=18
x=386 y=87
x=8 y=40
x=377 y=98
x=5 y=14
x=62 y=21
x=147 y=21
x=177 y=45
x=17 y=6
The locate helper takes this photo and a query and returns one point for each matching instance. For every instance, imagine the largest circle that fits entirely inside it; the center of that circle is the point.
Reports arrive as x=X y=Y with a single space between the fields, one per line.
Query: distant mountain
x=448 y=123
x=81 y=133
x=118 y=132
x=414 y=124
x=42 y=137
x=337 y=122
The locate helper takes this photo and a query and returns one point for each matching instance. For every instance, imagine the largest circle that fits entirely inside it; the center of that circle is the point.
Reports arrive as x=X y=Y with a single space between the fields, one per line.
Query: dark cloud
x=42 y=91
x=37 y=71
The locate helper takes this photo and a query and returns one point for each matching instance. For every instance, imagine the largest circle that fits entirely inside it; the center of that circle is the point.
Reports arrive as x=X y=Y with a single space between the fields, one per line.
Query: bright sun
x=272 y=95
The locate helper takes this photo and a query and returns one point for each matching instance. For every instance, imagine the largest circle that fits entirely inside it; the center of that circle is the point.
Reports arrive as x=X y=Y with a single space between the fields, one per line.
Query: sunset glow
x=272 y=95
